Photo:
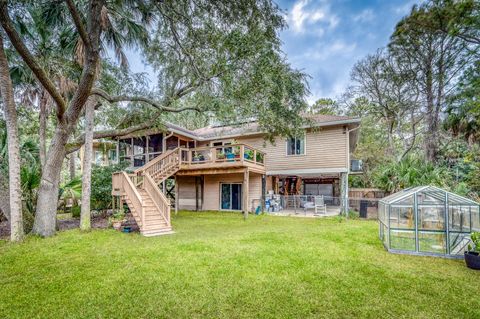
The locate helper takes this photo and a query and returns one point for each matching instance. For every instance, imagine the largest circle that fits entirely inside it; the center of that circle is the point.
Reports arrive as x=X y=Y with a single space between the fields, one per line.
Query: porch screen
x=319 y=189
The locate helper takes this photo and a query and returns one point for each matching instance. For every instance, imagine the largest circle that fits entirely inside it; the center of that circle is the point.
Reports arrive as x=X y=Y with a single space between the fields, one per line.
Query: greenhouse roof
x=433 y=191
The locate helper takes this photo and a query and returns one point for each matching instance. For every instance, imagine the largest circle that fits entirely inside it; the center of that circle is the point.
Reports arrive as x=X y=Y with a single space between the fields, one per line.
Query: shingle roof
x=253 y=127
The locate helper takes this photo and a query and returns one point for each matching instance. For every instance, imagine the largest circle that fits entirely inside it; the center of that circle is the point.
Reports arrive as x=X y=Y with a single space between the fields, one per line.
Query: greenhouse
x=427 y=220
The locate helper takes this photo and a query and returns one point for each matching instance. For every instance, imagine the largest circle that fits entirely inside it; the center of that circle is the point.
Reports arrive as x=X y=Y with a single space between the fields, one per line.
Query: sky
x=325 y=38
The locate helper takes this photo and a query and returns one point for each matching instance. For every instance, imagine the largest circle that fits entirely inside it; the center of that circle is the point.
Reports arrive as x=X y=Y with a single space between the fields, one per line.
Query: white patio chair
x=320 y=205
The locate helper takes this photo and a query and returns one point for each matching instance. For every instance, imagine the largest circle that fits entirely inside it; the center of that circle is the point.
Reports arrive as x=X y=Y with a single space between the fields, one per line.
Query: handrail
x=130 y=189
x=154 y=161
x=159 y=199
x=211 y=154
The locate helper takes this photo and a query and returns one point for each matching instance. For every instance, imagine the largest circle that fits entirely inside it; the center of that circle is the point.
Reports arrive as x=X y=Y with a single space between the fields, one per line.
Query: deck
x=221 y=159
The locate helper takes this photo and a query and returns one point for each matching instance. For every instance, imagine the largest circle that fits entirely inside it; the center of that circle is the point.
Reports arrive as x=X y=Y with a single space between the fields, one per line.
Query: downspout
x=347 y=208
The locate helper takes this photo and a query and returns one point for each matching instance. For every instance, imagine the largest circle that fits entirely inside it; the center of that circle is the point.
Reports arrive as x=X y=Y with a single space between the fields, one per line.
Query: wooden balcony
x=221 y=159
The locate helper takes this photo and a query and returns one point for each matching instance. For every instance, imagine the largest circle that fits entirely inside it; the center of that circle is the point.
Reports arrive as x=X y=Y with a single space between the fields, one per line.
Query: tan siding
x=212 y=189
x=326 y=148
x=187 y=194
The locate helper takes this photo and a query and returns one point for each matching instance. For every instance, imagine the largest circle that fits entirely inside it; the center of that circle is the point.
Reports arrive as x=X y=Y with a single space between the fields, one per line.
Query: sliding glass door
x=231 y=196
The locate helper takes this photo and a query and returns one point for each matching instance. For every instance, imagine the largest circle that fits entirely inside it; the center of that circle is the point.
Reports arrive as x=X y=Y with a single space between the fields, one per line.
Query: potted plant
x=472 y=256
x=117 y=219
x=248 y=154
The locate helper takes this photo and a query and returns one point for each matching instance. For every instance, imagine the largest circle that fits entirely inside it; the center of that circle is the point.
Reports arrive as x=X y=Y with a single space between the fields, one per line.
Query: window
x=98 y=157
x=112 y=155
x=296 y=145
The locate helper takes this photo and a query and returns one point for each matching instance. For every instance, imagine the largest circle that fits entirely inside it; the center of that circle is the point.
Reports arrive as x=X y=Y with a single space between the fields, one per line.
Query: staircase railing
x=160 y=163
x=133 y=195
x=158 y=198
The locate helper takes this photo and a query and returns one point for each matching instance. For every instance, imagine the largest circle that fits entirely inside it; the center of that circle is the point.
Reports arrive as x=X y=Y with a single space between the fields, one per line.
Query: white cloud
x=405 y=8
x=325 y=51
x=366 y=15
x=319 y=16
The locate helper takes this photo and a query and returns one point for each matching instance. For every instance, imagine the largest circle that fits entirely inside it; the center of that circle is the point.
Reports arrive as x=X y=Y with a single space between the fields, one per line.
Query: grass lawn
x=218 y=266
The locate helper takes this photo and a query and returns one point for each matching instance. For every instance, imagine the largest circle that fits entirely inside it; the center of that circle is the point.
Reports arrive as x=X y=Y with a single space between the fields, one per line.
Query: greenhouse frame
x=427 y=220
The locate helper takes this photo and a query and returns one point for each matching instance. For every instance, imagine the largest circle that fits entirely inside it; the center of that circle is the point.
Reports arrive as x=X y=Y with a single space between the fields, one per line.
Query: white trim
x=307 y=171
x=304 y=146
x=220 y=196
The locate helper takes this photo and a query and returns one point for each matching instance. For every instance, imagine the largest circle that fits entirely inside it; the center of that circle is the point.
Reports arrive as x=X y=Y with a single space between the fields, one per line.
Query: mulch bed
x=98 y=222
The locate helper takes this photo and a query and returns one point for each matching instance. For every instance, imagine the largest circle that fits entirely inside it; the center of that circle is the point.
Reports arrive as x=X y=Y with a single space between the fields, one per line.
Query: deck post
x=177 y=195
x=245 y=193
x=264 y=192
x=344 y=193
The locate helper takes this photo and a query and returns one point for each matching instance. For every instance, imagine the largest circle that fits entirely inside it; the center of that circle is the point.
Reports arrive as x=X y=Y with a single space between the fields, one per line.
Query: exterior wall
x=187 y=192
x=325 y=148
x=212 y=189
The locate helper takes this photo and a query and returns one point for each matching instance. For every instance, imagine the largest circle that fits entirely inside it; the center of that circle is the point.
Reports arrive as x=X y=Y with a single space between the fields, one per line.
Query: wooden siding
x=325 y=148
x=212 y=189
x=186 y=190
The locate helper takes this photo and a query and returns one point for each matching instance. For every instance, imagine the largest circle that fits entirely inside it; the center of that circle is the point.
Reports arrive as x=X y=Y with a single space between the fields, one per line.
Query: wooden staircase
x=147 y=203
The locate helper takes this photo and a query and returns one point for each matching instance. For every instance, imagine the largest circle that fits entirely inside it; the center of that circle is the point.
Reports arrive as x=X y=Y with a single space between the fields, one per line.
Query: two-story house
x=231 y=167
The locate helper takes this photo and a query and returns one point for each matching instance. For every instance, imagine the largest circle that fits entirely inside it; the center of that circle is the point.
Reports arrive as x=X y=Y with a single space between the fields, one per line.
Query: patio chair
x=320 y=205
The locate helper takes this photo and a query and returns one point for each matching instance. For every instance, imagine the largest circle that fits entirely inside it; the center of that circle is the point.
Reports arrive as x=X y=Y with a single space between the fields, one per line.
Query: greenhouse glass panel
x=475 y=213
x=459 y=218
x=458 y=242
x=402 y=217
x=385 y=235
x=381 y=212
x=432 y=242
x=402 y=240
x=431 y=217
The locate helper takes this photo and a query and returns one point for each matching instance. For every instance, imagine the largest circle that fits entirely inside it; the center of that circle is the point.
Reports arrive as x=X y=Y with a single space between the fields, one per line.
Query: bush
x=101 y=196
x=394 y=176
x=76 y=211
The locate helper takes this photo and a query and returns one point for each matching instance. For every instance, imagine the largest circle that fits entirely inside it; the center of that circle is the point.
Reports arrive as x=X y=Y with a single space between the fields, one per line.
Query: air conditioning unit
x=356 y=165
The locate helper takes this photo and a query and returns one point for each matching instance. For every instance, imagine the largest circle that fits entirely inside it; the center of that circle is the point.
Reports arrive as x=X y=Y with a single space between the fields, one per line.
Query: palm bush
x=410 y=172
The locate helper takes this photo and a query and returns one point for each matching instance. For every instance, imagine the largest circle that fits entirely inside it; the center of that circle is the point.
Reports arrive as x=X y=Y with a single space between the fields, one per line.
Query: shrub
x=101 y=196
x=76 y=211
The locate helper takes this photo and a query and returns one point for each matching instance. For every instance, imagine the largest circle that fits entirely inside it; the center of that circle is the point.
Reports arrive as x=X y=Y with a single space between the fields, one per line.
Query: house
x=231 y=168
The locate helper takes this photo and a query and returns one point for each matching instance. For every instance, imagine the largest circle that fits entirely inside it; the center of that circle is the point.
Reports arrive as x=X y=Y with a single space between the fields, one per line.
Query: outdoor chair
x=320 y=206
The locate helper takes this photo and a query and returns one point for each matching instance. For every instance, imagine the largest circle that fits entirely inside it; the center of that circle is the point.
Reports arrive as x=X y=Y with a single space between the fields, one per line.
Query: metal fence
x=312 y=205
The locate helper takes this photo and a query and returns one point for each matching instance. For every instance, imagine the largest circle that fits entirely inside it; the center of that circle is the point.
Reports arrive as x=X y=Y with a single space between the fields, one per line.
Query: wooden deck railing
x=158 y=198
x=159 y=163
x=122 y=184
x=222 y=154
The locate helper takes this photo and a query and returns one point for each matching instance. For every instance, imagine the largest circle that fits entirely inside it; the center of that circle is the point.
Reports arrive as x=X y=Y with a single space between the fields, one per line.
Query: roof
x=432 y=191
x=250 y=128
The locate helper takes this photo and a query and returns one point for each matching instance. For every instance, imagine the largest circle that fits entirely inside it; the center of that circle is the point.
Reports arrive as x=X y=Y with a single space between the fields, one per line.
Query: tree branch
x=32 y=63
x=157 y=105
x=77 y=19
x=111 y=134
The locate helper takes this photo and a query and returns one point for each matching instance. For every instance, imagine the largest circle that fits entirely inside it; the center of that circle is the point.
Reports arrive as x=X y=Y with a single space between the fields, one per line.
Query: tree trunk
x=45 y=216
x=4 y=198
x=6 y=90
x=72 y=158
x=42 y=129
x=431 y=132
x=87 y=164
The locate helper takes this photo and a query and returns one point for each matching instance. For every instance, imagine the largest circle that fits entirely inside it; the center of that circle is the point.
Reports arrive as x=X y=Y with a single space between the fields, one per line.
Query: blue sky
x=326 y=37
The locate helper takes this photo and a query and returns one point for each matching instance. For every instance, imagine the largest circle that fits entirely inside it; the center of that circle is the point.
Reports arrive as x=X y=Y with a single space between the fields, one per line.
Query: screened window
x=296 y=145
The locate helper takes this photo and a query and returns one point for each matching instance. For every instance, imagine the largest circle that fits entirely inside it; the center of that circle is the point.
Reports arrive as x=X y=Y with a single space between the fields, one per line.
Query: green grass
x=218 y=266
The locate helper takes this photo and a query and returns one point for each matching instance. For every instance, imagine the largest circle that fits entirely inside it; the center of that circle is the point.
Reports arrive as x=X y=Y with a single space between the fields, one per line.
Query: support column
x=344 y=193
x=197 y=193
x=177 y=195
x=264 y=192
x=245 y=193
